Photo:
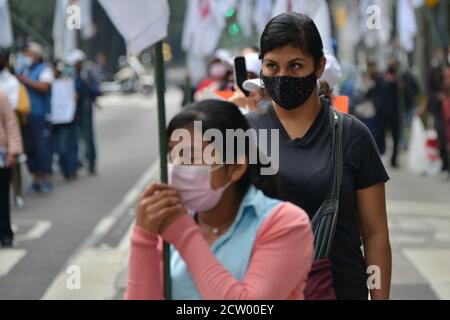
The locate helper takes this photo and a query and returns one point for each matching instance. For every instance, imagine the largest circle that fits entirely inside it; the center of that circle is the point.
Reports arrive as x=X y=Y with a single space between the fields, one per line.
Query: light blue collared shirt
x=233 y=249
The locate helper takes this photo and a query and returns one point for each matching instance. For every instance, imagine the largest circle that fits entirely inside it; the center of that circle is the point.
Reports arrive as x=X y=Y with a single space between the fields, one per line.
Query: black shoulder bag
x=319 y=285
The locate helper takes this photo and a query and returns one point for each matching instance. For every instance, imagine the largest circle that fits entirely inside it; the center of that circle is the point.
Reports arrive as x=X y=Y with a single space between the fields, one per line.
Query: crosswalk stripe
x=434 y=265
x=9 y=258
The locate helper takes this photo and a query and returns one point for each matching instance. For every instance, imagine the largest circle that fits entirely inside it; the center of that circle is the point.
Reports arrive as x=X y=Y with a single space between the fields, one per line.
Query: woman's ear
x=239 y=169
x=321 y=67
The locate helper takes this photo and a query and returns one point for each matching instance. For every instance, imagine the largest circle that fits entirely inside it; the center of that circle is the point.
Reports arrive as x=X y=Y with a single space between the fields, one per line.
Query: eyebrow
x=293 y=60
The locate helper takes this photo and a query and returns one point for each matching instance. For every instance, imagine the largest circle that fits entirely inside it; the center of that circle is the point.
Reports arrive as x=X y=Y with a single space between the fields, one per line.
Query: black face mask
x=290 y=92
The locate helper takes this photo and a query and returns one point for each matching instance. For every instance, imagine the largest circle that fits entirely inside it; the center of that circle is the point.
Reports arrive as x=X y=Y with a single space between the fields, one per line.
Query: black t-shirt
x=305 y=174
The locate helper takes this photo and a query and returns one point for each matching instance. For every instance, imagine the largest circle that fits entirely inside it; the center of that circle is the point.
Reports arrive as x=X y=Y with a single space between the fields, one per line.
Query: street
x=86 y=223
x=81 y=219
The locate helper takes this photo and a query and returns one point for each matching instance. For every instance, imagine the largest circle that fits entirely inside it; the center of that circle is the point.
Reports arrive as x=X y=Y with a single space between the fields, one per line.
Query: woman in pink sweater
x=229 y=237
x=10 y=148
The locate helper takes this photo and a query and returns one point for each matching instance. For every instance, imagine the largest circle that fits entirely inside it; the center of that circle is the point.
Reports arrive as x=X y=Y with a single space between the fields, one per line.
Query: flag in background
x=407 y=22
x=317 y=10
x=64 y=38
x=6 y=37
x=141 y=24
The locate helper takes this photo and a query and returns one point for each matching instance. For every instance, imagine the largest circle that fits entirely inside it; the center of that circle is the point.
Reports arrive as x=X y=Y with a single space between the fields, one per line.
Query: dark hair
x=223 y=115
x=294 y=29
x=299 y=31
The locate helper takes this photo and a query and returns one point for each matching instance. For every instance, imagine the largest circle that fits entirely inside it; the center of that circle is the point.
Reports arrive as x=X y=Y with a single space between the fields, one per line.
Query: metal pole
x=160 y=90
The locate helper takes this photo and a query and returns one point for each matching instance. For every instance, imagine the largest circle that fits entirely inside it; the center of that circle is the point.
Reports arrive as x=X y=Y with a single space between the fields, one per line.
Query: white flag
x=141 y=23
x=317 y=10
x=203 y=25
x=263 y=13
x=406 y=24
x=6 y=37
x=244 y=15
x=88 y=29
x=64 y=37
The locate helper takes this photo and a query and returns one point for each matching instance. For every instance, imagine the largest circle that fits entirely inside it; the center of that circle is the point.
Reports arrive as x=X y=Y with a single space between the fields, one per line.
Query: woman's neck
x=298 y=121
x=225 y=212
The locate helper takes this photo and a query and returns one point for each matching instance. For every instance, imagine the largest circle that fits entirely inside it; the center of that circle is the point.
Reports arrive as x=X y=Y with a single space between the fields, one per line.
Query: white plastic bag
x=420 y=157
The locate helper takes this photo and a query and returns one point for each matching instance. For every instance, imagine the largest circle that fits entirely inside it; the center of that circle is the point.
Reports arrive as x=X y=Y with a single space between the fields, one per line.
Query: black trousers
x=5 y=217
x=440 y=129
x=391 y=124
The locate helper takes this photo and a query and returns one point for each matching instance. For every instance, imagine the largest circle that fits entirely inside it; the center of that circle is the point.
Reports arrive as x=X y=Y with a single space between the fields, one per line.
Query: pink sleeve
x=144 y=274
x=280 y=262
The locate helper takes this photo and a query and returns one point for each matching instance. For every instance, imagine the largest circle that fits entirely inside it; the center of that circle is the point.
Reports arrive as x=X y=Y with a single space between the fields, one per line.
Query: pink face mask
x=193 y=182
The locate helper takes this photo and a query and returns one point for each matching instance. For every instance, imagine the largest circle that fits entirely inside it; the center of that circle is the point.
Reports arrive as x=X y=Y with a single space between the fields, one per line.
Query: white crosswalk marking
x=434 y=264
x=9 y=258
x=100 y=267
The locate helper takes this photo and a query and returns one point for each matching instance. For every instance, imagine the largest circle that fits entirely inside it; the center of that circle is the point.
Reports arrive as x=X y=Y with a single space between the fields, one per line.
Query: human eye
x=296 y=66
x=271 y=66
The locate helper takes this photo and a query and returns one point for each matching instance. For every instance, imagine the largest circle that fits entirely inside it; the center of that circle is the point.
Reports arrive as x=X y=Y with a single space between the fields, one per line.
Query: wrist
x=177 y=229
x=142 y=236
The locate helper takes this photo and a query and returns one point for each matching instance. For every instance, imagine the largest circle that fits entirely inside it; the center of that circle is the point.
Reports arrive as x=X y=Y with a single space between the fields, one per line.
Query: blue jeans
x=41 y=153
x=66 y=147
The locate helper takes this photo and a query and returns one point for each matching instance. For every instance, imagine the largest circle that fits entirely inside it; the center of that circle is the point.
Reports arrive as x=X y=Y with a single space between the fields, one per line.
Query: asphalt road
x=51 y=229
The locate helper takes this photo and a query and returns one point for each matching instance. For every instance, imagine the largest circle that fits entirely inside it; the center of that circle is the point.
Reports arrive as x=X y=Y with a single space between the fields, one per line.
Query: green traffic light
x=230 y=13
x=234 y=29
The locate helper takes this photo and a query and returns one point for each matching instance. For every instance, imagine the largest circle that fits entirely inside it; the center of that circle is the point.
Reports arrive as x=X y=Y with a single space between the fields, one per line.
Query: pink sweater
x=10 y=137
x=281 y=260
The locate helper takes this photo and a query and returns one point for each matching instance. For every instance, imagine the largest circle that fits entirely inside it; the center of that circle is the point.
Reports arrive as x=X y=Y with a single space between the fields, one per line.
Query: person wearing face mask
x=257 y=96
x=293 y=60
x=229 y=237
x=218 y=80
x=37 y=77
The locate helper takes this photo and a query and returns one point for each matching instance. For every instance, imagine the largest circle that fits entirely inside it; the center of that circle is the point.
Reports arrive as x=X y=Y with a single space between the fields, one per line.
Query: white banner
x=317 y=10
x=63 y=101
x=6 y=37
x=141 y=23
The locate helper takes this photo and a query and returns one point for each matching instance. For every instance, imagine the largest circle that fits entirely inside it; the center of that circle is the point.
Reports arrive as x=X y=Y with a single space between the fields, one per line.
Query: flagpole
x=160 y=90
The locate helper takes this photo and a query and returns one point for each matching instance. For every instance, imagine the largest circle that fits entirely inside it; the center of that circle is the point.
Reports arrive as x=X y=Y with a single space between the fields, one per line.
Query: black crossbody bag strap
x=325 y=219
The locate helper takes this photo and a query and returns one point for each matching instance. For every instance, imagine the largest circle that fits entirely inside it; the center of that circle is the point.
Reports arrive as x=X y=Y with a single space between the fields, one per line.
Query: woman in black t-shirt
x=293 y=60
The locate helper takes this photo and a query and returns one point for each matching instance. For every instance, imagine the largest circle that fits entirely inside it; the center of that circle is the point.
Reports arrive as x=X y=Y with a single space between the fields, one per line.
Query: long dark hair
x=299 y=31
x=223 y=115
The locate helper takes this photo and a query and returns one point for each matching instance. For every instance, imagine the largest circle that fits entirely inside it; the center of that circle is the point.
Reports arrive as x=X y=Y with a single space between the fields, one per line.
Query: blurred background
x=79 y=219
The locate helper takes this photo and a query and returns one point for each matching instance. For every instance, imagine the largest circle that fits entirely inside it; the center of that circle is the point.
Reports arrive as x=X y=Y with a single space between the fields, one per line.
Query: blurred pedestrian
x=20 y=102
x=434 y=105
x=237 y=243
x=444 y=140
x=220 y=76
x=255 y=97
x=10 y=149
x=393 y=107
x=88 y=90
x=377 y=95
x=65 y=128
x=37 y=76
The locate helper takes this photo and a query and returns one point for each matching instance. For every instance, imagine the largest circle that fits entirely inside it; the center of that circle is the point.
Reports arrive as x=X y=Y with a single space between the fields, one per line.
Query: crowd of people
x=236 y=233
x=311 y=231
x=46 y=114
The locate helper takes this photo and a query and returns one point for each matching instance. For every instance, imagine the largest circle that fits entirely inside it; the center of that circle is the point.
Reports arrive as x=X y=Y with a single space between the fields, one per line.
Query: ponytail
x=325 y=91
